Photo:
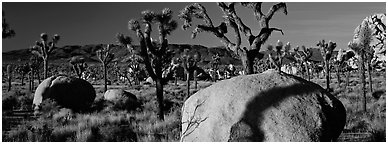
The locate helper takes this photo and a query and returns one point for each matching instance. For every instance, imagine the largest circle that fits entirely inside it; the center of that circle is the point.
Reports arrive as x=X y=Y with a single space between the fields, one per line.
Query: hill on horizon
x=63 y=54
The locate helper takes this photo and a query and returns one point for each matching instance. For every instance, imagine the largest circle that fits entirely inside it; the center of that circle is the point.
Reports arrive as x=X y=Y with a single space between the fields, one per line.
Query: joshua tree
x=7 y=31
x=155 y=56
x=78 y=65
x=246 y=54
x=216 y=61
x=189 y=64
x=9 y=75
x=105 y=56
x=302 y=57
x=31 y=77
x=23 y=69
x=43 y=49
x=197 y=59
x=277 y=58
x=35 y=62
x=360 y=44
x=134 y=68
x=327 y=51
x=342 y=58
x=175 y=63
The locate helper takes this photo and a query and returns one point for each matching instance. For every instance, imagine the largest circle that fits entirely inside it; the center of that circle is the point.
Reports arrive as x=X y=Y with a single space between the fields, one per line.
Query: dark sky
x=99 y=22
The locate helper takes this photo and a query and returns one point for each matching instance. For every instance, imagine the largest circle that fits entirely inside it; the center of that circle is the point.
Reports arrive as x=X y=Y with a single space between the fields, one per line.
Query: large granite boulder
x=121 y=99
x=74 y=93
x=270 y=106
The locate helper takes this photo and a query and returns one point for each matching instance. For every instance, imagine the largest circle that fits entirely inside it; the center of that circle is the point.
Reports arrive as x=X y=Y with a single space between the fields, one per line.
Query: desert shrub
x=37 y=130
x=25 y=101
x=9 y=102
x=48 y=108
x=149 y=129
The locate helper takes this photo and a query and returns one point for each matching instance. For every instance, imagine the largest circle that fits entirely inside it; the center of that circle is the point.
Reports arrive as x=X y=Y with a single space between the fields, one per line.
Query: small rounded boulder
x=69 y=92
x=121 y=99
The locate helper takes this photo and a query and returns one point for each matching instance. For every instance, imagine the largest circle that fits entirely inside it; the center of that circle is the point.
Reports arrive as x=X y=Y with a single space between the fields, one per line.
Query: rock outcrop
x=121 y=99
x=76 y=94
x=270 y=106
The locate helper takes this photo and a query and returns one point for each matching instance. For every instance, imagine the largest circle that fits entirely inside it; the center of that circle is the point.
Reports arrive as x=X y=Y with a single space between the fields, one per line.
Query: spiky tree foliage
x=78 y=64
x=44 y=48
x=7 y=31
x=341 y=64
x=134 y=68
x=361 y=45
x=105 y=56
x=303 y=57
x=279 y=54
x=22 y=69
x=327 y=52
x=9 y=76
x=247 y=54
x=214 y=64
x=155 y=56
x=189 y=64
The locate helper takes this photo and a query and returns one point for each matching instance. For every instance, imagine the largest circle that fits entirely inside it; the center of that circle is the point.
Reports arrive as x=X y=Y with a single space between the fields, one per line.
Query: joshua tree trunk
x=105 y=78
x=327 y=75
x=339 y=75
x=159 y=95
x=32 y=80
x=362 y=74
x=195 y=79
x=307 y=71
x=370 y=77
x=347 y=78
x=176 y=80
x=247 y=62
x=23 y=78
x=188 y=83
x=38 y=74
x=45 y=67
x=9 y=83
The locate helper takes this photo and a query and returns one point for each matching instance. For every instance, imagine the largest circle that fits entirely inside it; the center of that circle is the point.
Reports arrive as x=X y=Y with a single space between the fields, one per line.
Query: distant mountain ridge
x=63 y=54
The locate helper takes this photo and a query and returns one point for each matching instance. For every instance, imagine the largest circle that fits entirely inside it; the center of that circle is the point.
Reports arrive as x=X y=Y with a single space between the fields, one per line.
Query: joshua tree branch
x=276 y=8
x=230 y=13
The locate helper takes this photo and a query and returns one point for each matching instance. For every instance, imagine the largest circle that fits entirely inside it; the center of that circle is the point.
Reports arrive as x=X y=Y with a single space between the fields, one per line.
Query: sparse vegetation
x=157 y=116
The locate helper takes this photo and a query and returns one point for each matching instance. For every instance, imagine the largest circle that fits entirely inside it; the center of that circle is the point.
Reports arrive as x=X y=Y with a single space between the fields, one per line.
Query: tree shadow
x=248 y=128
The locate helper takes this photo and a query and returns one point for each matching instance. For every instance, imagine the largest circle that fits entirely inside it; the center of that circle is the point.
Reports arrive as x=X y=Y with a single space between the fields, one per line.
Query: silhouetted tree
x=105 y=56
x=155 y=56
x=327 y=51
x=44 y=48
x=303 y=57
x=214 y=64
x=78 y=64
x=189 y=64
x=246 y=54
x=276 y=57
